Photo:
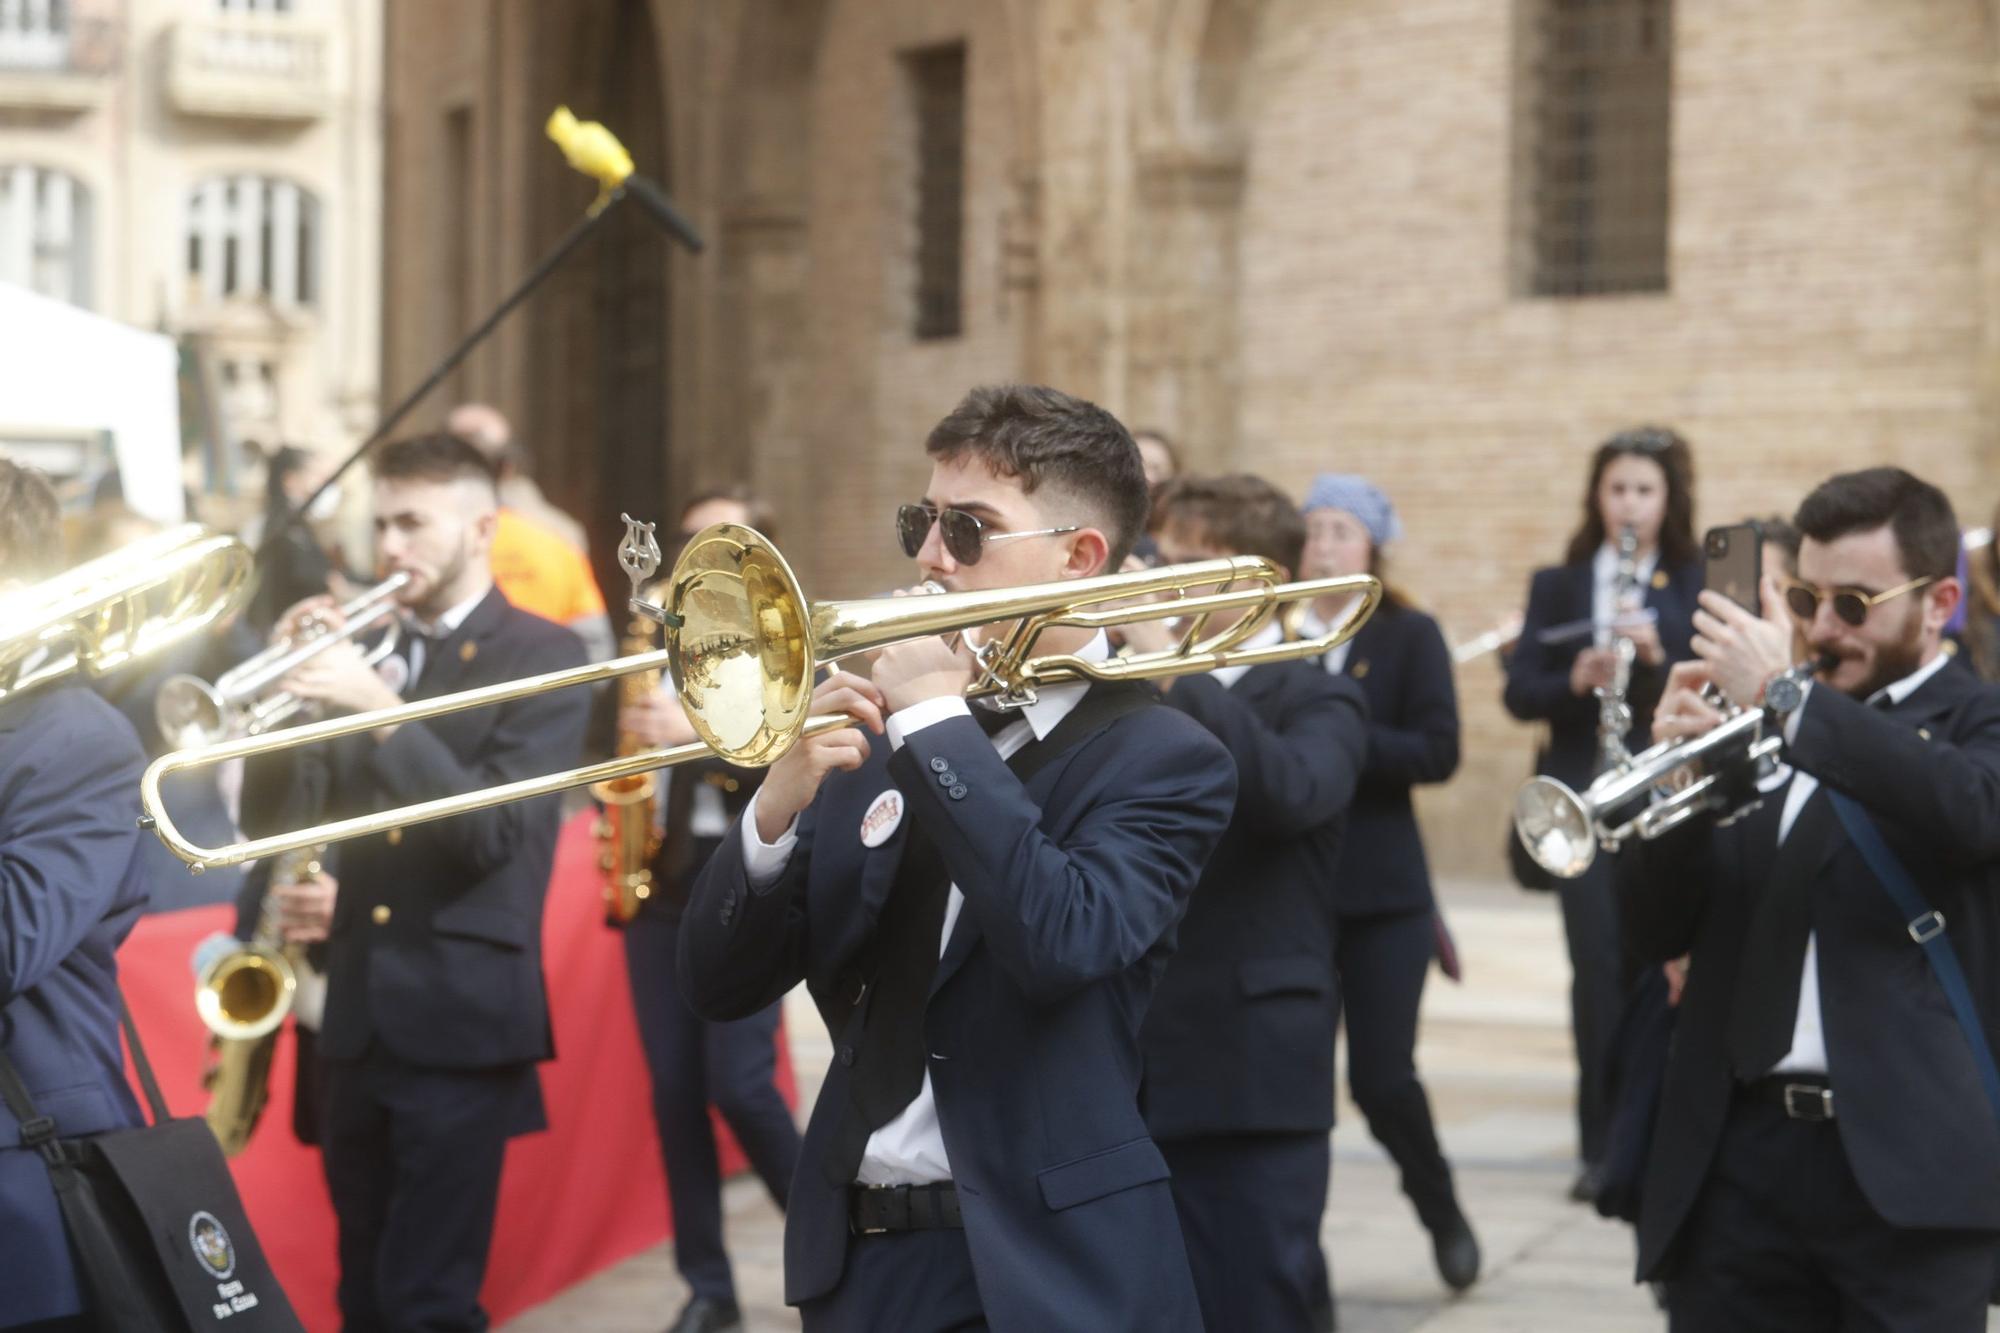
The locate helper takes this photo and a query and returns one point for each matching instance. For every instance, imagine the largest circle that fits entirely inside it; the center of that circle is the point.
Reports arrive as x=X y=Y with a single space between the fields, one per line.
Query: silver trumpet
x=192 y=712
x=1651 y=792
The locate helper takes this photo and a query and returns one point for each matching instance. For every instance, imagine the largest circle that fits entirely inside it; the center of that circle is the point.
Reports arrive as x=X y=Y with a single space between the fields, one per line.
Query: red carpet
x=583 y=1195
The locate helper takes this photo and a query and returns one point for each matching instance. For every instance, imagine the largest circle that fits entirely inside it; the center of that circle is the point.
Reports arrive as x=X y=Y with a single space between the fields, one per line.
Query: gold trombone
x=121 y=607
x=743 y=644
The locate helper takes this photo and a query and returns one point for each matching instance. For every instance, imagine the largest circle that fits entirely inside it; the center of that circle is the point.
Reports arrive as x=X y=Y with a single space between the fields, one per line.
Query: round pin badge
x=885 y=813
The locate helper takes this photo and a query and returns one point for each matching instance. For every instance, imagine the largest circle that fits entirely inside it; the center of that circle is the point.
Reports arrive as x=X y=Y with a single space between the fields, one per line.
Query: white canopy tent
x=68 y=376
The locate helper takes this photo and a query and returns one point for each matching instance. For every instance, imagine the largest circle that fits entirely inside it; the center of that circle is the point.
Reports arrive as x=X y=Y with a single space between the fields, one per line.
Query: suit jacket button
x=380 y=916
x=939 y=763
x=395 y=837
x=947 y=779
x=958 y=792
x=846 y=1054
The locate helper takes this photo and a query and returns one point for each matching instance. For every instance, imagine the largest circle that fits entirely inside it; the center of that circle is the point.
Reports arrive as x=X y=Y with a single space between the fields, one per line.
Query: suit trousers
x=413 y=1158
x=1596 y=996
x=1383 y=962
x=1783 y=1239
x=910 y=1281
x=694 y=1062
x=1250 y=1208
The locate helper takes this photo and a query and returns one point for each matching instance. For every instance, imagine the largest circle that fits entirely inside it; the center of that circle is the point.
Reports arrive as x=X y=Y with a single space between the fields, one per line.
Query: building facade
x=1447 y=243
x=210 y=169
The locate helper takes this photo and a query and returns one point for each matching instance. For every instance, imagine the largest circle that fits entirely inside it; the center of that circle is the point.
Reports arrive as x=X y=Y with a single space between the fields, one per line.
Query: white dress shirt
x=909 y=1150
x=1311 y=627
x=1808 y=1053
x=1273 y=633
x=1604 y=589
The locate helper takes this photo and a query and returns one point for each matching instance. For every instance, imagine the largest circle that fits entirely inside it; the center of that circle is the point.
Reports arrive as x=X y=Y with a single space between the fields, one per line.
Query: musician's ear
x=1089 y=550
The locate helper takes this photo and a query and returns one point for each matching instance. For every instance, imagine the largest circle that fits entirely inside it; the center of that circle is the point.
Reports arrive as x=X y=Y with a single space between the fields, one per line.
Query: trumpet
x=1650 y=793
x=120 y=607
x=192 y=712
x=743 y=644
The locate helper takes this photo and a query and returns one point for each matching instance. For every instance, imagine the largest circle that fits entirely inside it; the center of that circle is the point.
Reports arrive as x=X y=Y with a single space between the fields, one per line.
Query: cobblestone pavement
x=1495 y=1056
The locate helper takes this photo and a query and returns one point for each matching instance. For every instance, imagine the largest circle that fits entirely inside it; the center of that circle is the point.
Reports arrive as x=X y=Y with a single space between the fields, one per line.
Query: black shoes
x=1457 y=1251
x=705 y=1314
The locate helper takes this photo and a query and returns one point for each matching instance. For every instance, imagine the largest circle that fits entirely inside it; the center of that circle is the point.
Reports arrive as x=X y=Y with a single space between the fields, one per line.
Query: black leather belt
x=875 y=1209
x=1799 y=1096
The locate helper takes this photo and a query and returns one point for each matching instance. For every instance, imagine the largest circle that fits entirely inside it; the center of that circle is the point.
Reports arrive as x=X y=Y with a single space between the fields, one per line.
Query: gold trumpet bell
x=743 y=658
x=246 y=994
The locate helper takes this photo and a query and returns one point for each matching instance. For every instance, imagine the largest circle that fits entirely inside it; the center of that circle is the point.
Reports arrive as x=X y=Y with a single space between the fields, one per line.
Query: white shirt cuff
x=1792 y=721
x=923 y=714
x=764 y=862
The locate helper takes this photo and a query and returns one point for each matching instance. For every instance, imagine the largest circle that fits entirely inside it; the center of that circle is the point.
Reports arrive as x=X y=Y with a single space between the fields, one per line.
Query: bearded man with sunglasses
x=1828 y=1152
x=981 y=903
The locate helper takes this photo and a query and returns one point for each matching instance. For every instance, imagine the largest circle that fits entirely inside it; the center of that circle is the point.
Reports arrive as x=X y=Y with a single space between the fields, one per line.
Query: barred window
x=1596 y=112
x=936 y=79
x=45 y=232
x=253 y=236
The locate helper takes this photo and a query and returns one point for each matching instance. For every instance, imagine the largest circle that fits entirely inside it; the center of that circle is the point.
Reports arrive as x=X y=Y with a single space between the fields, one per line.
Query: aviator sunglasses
x=1850 y=604
x=965 y=537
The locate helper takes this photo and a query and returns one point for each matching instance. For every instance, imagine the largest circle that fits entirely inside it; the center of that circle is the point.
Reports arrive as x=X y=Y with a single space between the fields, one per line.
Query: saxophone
x=1614 y=710
x=243 y=997
x=628 y=833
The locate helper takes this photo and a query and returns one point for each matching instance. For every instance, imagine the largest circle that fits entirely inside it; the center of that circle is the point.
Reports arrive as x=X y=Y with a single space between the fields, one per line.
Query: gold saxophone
x=628 y=836
x=243 y=997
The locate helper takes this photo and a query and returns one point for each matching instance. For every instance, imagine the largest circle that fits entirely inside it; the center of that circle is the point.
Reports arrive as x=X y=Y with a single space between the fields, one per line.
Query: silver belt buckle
x=1806 y=1101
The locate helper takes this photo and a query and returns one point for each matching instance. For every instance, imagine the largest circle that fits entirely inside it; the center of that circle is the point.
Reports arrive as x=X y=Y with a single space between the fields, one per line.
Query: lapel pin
x=1360 y=671
x=467 y=651
x=1660 y=579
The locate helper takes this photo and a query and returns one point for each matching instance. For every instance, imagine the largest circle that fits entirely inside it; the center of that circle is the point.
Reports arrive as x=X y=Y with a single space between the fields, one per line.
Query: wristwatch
x=1787 y=690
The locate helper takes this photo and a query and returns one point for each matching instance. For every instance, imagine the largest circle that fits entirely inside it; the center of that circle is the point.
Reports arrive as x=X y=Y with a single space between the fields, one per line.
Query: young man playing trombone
x=1828 y=1152
x=981 y=903
x=435 y=1009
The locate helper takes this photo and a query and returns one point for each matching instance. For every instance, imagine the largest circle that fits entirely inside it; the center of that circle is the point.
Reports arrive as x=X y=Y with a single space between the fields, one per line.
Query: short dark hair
x=757 y=511
x=437 y=457
x=1676 y=460
x=1044 y=437
x=30 y=533
x=1242 y=514
x=1917 y=512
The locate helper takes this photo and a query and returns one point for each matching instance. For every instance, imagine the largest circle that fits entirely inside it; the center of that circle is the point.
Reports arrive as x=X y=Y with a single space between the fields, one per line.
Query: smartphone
x=1733 y=563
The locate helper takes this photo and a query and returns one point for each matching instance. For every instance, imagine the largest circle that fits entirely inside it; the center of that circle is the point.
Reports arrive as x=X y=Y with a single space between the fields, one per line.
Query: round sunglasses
x=965 y=537
x=1850 y=604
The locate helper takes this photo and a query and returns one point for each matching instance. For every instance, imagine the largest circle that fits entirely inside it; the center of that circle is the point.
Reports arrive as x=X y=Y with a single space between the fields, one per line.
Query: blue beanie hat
x=1359 y=497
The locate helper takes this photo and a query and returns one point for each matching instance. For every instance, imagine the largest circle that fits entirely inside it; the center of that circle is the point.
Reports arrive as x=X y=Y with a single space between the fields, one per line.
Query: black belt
x=875 y=1209
x=1799 y=1096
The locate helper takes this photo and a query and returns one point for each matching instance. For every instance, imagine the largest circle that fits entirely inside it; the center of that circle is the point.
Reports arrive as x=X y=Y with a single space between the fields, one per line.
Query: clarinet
x=1614 y=709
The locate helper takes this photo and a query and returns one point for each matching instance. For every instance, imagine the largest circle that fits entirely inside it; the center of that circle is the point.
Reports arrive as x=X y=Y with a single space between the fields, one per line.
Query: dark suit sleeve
x=1662 y=888
x=69 y=822
x=1297 y=770
x=1419 y=742
x=1538 y=673
x=1942 y=793
x=1674 y=619
x=1061 y=915
x=531 y=737
x=741 y=948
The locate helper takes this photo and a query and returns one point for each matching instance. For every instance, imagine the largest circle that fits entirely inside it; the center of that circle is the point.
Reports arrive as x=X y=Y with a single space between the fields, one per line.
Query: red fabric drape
x=585 y=1194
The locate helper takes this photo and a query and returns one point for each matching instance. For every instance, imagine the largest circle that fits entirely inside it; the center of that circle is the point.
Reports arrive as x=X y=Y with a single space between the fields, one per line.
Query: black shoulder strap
x=142 y=1064
x=1107 y=701
x=39 y=1131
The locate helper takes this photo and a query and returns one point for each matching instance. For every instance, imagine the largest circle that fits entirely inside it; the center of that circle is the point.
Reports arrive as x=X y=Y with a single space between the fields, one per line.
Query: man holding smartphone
x=1826 y=1154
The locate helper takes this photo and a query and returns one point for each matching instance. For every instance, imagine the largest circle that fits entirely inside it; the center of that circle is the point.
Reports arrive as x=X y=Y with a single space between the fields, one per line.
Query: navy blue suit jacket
x=1240 y=1036
x=69 y=894
x=1915 y=1123
x=1073 y=885
x=436 y=945
x=1400 y=661
x=1538 y=673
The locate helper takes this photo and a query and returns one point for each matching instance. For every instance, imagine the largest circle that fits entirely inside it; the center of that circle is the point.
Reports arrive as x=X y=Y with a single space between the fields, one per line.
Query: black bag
x=161 y=1240
x=1526 y=871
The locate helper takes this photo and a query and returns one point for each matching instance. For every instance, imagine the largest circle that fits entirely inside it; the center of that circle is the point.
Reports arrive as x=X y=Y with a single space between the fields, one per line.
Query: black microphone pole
x=648 y=195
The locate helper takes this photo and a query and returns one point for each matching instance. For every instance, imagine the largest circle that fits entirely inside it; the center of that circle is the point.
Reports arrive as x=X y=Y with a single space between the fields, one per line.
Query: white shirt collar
x=1263 y=638
x=449 y=622
x=1899 y=690
x=1056 y=701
